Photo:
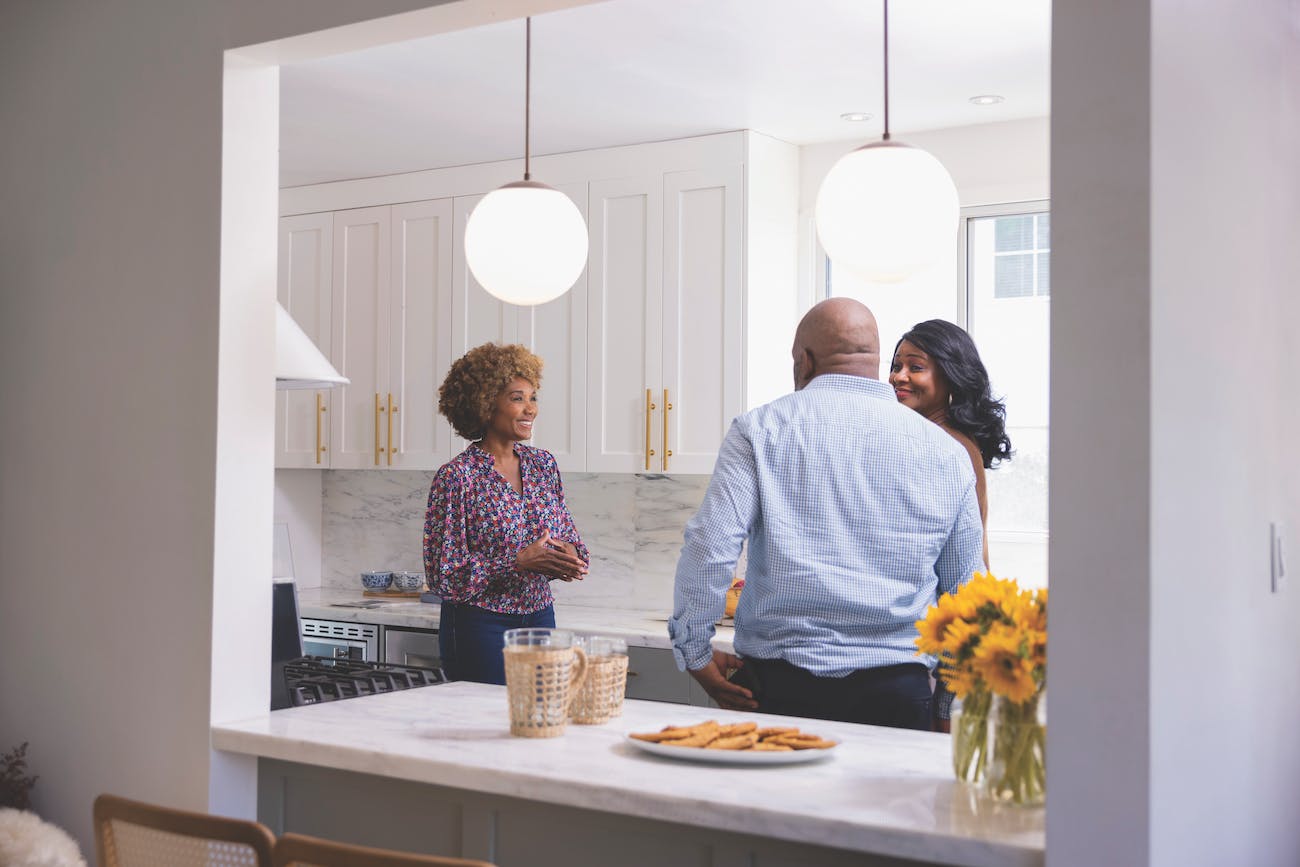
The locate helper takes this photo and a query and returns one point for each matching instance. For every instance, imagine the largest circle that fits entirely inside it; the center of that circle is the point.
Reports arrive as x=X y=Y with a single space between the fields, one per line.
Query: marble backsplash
x=632 y=525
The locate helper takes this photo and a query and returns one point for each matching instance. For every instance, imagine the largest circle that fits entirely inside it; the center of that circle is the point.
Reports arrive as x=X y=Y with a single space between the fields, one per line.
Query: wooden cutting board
x=395 y=594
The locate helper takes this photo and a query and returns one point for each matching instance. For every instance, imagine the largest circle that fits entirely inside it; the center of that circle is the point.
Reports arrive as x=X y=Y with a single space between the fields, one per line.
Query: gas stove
x=316 y=679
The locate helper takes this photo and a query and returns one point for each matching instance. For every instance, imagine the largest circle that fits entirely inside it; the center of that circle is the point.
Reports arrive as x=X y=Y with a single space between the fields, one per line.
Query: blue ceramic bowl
x=408 y=582
x=376 y=580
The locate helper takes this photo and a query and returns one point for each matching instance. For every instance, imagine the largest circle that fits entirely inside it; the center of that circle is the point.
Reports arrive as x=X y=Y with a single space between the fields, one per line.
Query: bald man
x=858 y=512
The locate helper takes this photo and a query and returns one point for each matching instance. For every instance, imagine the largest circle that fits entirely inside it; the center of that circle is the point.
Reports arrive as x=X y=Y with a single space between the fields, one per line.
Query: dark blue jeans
x=893 y=695
x=470 y=639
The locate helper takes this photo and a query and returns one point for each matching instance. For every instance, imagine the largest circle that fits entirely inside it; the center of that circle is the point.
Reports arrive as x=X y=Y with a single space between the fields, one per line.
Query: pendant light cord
x=886 y=138
x=528 y=91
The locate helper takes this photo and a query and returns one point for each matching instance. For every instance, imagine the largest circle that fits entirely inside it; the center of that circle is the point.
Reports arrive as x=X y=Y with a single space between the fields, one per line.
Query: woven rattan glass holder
x=601 y=695
x=544 y=671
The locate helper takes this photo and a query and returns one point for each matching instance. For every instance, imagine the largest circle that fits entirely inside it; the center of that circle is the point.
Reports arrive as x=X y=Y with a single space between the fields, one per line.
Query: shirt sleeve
x=458 y=573
x=713 y=541
x=963 y=554
x=565 y=529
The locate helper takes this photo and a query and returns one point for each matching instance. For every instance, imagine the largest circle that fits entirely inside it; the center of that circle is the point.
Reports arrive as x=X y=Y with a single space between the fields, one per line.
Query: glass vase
x=969 y=727
x=1017 y=751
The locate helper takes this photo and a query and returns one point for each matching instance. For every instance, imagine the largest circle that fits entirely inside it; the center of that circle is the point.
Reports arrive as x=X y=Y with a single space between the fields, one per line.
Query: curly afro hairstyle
x=469 y=394
x=973 y=411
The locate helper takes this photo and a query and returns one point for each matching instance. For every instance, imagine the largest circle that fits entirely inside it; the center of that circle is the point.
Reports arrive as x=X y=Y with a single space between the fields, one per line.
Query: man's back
x=859 y=512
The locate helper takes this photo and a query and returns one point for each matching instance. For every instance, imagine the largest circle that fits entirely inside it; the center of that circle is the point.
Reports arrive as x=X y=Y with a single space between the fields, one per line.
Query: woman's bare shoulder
x=969 y=445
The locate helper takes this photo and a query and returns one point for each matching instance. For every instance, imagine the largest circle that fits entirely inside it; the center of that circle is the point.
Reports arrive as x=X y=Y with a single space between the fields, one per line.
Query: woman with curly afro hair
x=937 y=371
x=497 y=530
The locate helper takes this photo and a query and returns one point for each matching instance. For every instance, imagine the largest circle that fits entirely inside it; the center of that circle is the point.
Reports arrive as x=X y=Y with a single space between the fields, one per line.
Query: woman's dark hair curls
x=973 y=410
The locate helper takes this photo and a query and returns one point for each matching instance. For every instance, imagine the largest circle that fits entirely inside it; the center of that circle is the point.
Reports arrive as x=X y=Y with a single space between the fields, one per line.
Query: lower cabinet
x=652 y=675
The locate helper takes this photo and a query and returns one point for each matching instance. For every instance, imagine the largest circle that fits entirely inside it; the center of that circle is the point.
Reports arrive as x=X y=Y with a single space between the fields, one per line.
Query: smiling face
x=917 y=382
x=516 y=407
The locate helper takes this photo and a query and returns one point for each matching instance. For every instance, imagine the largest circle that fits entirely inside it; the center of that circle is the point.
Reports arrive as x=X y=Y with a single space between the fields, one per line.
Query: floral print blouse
x=476 y=523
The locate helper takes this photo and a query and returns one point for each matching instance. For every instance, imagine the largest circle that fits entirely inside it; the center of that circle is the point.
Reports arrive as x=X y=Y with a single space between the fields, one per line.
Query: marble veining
x=884 y=791
x=632 y=525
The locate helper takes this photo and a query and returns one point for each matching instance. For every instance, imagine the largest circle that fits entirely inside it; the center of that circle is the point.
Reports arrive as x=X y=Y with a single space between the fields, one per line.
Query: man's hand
x=713 y=677
x=551 y=557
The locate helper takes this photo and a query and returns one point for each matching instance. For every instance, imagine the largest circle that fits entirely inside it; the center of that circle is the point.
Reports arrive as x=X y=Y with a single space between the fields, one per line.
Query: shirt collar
x=846 y=382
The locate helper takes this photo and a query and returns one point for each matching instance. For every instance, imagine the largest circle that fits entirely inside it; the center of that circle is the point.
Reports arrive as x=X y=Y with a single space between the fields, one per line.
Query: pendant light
x=526 y=242
x=886 y=210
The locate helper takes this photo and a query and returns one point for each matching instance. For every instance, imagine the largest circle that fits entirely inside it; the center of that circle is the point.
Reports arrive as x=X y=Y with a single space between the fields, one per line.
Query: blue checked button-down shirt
x=859 y=513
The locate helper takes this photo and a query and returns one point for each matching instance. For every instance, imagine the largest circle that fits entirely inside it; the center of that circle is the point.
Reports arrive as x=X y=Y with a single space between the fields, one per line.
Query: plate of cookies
x=745 y=743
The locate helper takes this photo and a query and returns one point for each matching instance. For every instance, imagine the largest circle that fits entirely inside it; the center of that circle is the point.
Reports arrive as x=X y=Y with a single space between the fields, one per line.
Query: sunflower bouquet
x=990 y=637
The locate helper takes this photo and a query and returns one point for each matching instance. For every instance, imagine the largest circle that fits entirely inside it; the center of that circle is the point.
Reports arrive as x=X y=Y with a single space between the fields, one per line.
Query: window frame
x=979 y=212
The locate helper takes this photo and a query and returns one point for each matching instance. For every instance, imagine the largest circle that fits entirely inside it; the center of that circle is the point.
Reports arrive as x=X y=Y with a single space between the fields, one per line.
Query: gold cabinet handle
x=320 y=411
x=379 y=448
x=668 y=453
x=649 y=411
x=392 y=410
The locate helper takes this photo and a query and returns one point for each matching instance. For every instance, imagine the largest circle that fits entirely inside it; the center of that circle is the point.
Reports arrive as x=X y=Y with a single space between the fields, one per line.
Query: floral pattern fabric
x=476 y=524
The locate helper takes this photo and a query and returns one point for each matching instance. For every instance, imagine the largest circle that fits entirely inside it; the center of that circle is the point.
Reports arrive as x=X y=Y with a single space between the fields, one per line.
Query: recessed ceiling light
x=987 y=99
x=856 y=116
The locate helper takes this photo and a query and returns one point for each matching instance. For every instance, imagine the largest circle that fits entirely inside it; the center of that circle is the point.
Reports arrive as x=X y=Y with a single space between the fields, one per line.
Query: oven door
x=339 y=640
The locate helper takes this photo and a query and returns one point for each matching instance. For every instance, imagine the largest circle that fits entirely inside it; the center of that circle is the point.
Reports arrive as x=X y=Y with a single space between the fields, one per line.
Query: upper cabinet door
x=359 y=350
x=557 y=332
x=624 y=326
x=702 y=314
x=416 y=437
x=301 y=422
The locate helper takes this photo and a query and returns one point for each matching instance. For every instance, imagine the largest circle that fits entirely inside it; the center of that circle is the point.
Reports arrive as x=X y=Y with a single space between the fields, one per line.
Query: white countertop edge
x=322 y=736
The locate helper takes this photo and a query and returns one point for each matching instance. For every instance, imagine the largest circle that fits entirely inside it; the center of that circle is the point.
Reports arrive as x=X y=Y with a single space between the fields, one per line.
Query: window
x=1002 y=296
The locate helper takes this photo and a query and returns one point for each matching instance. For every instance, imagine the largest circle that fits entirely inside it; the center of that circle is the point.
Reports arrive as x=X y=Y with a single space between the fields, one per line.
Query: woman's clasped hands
x=553 y=557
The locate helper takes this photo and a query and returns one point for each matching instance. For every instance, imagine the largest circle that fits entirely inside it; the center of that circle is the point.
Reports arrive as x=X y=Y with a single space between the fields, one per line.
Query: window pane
x=1009 y=309
x=1013 y=276
x=1014 y=233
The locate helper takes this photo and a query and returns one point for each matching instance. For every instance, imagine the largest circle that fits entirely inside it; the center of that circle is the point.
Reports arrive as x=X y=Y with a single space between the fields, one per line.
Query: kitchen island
x=436 y=770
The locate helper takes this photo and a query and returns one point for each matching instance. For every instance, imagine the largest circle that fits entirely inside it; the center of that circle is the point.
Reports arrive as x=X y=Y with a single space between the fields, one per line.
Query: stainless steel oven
x=338 y=639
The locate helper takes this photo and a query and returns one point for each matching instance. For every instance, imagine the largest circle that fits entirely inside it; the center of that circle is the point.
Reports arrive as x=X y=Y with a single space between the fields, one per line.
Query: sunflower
x=1004 y=665
x=960 y=638
x=961 y=681
x=937 y=620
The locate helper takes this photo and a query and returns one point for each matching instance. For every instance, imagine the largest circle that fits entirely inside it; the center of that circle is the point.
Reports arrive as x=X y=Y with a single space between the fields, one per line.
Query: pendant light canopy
x=885 y=210
x=526 y=242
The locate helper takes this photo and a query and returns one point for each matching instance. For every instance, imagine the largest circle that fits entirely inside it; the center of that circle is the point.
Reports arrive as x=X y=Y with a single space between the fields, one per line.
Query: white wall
x=1225 y=386
x=1176 y=213
x=112 y=586
x=990 y=164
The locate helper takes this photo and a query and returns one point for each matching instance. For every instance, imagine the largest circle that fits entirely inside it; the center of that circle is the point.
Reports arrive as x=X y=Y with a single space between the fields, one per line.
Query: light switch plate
x=1277 y=556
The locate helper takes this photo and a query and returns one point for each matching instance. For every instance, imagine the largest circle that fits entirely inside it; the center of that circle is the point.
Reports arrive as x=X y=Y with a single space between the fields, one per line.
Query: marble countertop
x=884 y=791
x=638 y=628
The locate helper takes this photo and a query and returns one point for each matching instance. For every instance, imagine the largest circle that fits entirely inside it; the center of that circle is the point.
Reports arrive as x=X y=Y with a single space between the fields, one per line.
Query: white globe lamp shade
x=526 y=243
x=886 y=211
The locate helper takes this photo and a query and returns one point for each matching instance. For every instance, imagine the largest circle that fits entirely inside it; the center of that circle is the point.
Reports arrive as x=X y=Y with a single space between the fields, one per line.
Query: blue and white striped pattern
x=858 y=511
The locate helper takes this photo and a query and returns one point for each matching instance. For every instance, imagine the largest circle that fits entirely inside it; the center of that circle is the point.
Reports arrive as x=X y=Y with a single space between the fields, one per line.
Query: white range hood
x=298 y=363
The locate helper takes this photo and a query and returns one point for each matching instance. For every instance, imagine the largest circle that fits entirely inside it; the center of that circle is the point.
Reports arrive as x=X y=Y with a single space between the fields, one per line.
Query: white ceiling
x=629 y=71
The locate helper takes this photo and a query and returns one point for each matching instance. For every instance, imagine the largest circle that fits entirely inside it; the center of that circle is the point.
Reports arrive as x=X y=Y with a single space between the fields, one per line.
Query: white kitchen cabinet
x=376 y=299
x=555 y=331
x=681 y=321
x=665 y=325
x=419 y=334
x=305 y=280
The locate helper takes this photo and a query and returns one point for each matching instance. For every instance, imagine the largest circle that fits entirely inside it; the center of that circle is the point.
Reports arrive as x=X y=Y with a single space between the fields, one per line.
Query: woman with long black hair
x=937 y=371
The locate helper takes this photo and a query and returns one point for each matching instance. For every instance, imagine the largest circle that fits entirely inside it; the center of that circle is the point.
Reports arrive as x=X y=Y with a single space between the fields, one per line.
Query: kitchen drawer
x=652 y=675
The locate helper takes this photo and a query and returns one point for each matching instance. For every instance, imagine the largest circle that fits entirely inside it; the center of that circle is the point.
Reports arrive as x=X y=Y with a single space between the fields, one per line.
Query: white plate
x=730 y=757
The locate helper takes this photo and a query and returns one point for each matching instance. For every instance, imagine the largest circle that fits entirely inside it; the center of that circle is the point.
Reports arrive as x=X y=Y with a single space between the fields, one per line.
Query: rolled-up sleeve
x=713 y=541
x=456 y=572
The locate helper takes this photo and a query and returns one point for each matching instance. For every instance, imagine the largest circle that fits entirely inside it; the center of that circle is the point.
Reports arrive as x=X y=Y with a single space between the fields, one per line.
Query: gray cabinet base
x=510 y=832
